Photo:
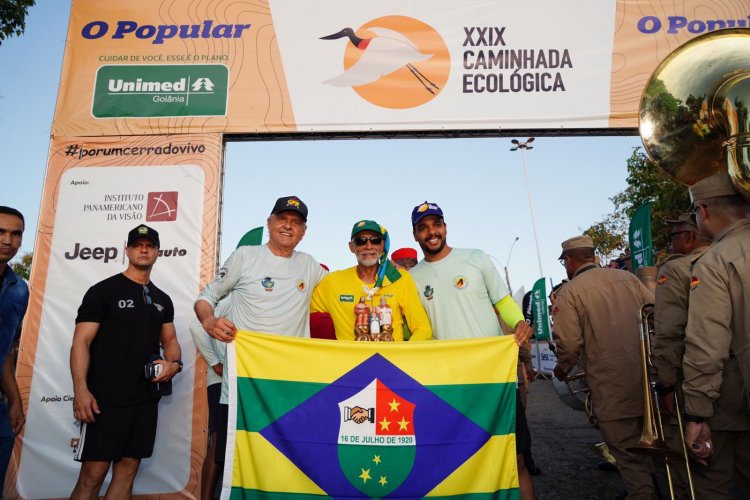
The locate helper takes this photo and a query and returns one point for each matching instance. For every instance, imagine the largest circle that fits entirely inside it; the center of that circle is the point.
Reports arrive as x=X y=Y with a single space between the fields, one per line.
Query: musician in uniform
x=670 y=318
x=716 y=364
x=597 y=319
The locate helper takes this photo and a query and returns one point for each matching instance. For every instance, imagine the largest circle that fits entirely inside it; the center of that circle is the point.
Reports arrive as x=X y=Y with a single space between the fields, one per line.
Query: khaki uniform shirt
x=597 y=317
x=670 y=315
x=718 y=320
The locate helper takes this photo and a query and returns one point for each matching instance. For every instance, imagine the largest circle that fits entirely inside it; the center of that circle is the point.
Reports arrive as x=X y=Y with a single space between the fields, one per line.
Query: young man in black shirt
x=120 y=325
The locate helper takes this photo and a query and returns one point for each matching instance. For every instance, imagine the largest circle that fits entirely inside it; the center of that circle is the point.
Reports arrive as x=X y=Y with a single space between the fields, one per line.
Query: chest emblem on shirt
x=346 y=298
x=460 y=282
x=428 y=292
x=268 y=283
x=662 y=279
x=301 y=285
x=694 y=282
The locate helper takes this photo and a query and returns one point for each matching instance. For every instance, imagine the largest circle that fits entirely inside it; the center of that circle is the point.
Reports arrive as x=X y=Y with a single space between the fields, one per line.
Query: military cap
x=712 y=187
x=582 y=241
x=686 y=219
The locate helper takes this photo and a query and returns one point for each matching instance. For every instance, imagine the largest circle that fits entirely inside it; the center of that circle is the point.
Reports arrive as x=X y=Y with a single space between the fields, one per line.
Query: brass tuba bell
x=695 y=110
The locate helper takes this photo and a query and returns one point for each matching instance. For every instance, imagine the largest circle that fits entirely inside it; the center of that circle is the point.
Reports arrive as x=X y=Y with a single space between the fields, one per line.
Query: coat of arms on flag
x=354 y=420
x=376 y=439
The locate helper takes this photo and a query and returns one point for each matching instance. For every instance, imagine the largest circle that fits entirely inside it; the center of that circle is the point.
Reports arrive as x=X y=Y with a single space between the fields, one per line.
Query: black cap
x=143 y=231
x=290 y=203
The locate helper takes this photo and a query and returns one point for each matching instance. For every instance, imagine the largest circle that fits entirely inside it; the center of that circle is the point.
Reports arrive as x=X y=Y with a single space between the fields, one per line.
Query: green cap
x=367 y=225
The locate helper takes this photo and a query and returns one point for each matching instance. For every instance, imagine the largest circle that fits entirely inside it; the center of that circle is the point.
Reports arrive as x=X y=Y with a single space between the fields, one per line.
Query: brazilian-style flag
x=319 y=419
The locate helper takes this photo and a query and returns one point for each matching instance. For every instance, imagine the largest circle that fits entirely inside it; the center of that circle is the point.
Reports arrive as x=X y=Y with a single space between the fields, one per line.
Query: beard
x=432 y=251
x=368 y=261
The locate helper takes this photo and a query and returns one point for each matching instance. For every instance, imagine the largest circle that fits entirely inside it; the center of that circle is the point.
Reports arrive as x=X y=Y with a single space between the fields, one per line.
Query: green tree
x=646 y=183
x=13 y=17
x=22 y=267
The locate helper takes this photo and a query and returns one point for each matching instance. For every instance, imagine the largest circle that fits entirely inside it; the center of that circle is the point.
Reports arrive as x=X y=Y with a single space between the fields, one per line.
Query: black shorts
x=213 y=393
x=221 y=434
x=523 y=437
x=127 y=431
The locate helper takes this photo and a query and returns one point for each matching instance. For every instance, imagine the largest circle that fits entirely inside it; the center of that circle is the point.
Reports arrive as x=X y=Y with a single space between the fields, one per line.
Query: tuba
x=694 y=116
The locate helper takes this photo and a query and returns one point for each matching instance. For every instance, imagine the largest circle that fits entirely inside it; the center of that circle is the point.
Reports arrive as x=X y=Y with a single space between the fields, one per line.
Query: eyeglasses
x=146 y=296
x=361 y=241
x=672 y=235
x=562 y=261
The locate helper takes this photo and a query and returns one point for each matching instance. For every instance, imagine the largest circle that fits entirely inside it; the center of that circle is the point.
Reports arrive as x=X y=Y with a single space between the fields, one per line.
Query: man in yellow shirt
x=389 y=296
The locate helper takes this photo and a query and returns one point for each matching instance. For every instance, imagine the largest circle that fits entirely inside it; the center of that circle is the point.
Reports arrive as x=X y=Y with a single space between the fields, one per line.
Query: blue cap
x=423 y=210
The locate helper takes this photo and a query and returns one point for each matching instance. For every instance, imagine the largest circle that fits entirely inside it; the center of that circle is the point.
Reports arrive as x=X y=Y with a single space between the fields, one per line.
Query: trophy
x=362 y=321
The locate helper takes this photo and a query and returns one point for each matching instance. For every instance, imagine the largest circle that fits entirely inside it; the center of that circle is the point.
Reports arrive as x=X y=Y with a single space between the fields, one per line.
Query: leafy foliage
x=13 y=17
x=22 y=267
x=646 y=183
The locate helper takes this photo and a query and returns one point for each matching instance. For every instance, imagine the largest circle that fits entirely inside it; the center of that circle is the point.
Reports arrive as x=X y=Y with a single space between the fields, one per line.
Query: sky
x=479 y=183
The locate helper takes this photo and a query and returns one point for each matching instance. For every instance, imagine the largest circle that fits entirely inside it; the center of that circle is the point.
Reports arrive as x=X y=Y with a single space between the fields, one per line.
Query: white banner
x=548 y=358
x=484 y=65
x=96 y=208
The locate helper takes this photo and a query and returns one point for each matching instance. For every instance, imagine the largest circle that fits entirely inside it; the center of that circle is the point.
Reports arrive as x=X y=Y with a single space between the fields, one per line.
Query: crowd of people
x=699 y=349
x=125 y=351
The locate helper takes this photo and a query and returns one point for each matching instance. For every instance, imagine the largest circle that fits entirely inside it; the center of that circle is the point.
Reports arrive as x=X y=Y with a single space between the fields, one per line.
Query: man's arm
x=670 y=319
x=85 y=406
x=205 y=345
x=219 y=328
x=172 y=353
x=707 y=340
x=9 y=387
x=567 y=332
x=512 y=315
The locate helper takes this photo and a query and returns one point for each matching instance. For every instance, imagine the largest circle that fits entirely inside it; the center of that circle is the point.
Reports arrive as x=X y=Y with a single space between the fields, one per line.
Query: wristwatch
x=179 y=365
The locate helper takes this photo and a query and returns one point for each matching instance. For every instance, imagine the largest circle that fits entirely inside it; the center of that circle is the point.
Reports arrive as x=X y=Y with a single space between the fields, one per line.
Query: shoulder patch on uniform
x=662 y=279
x=694 y=282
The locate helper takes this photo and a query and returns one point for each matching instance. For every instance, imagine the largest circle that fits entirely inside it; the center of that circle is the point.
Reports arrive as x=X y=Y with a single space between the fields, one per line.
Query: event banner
x=283 y=66
x=313 y=418
x=639 y=238
x=541 y=316
x=96 y=192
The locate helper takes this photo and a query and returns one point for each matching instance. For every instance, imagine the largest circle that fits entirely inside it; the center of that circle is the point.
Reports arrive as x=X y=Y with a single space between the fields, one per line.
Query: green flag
x=639 y=234
x=541 y=319
x=254 y=237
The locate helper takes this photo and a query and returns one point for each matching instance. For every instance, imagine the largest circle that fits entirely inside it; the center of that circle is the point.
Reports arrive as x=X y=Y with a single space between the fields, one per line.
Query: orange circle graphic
x=420 y=78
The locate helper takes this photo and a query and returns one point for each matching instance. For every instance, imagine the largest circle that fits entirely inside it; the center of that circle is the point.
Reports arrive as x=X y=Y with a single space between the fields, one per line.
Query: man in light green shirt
x=459 y=288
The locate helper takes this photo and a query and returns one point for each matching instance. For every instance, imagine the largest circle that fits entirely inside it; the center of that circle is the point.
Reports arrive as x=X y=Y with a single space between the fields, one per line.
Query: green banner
x=639 y=235
x=541 y=319
x=161 y=90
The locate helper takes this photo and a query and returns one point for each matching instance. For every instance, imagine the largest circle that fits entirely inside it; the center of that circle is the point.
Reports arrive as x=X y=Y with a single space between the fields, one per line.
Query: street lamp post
x=507 y=262
x=523 y=146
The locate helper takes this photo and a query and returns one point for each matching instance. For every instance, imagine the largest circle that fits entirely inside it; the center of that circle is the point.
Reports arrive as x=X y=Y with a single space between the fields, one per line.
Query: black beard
x=430 y=251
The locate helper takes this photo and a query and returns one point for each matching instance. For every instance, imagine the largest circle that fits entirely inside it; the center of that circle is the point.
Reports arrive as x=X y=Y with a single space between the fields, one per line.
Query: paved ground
x=559 y=437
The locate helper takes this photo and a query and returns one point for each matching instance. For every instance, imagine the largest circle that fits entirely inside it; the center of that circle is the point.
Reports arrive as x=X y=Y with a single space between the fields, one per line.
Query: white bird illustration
x=386 y=52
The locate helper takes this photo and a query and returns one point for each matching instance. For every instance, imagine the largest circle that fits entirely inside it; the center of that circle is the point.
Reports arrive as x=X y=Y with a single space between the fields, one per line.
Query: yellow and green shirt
x=340 y=291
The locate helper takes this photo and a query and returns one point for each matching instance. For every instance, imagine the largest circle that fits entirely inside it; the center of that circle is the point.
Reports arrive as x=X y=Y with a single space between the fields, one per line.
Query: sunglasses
x=146 y=296
x=361 y=241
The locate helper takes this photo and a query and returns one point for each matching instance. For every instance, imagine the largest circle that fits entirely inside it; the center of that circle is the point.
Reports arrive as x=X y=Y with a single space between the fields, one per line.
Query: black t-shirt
x=130 y=323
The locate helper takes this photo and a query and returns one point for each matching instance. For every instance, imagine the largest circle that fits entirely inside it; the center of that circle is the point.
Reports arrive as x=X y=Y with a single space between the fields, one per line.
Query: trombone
x=652 y=442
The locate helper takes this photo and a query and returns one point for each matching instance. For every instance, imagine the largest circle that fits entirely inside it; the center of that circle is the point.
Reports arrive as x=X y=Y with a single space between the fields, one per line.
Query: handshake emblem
x=359 y=415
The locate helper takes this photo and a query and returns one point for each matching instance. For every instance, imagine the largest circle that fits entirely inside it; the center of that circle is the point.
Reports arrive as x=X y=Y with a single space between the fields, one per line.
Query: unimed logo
x=160 y=90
